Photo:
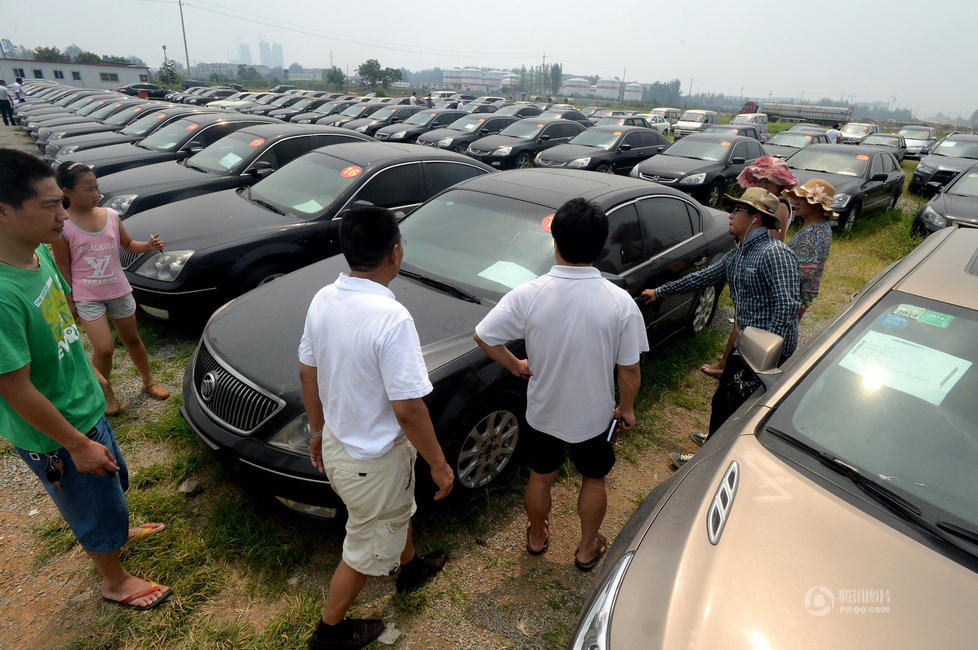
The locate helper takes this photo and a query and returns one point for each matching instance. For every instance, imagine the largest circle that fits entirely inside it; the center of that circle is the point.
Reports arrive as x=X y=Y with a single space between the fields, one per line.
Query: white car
x=657 y=122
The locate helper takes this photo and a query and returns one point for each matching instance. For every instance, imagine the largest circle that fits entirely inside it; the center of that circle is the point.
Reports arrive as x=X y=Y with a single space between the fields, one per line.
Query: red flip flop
x=145 y=531
x=152 y=589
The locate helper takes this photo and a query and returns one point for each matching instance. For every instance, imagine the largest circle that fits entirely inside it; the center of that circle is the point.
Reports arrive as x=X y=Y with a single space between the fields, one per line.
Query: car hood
x=111 y=137
x=959 y=208
x=445 y=324
x=437 y=134
x=492 y=142
x=207 y=221
x=841 y=182
x=569 y=152
x=153 y=178
x=791 y=559
x=779 y=151
x=948 y=163
x=361 y=121
x=113 y=153
x=674 y=165
x=691 y=125
x=913 y=142
x=401 y=126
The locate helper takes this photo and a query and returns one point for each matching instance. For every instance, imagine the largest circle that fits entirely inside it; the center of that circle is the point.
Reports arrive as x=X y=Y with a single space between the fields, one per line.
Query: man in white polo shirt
x=363 y=377
x=577 y=327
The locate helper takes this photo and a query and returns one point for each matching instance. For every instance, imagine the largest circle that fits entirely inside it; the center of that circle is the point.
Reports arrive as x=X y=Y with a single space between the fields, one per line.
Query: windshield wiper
x=267 y=205
x=189 y=164
x=440 y=284
x=821 y=171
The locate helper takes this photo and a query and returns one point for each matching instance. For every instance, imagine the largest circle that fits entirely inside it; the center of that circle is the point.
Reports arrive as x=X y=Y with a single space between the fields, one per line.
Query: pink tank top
x=96 y=273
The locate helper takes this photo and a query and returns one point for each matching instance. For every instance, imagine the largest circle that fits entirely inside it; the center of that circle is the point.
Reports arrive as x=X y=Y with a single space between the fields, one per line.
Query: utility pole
x=331 y=58
x=621 y=86
x=689 y=94
x=186 y=52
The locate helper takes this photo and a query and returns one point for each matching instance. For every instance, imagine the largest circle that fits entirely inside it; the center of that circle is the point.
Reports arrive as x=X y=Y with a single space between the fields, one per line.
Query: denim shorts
x=94 y=506
x=121 y=307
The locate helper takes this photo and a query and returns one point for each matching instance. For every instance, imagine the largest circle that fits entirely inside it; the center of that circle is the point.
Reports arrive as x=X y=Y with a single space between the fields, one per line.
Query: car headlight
x=399 y=135
x=593 y=632
x=502 y=151
x=121 y=203
x=72 y=149
x=579 y=162
x=293 y=437
x=840 y=200
x=361 y=129
x=634 y=172
x=930 y=215
x=925 y=169
x=303 y=121
x=164 y=266
x=694 y=179
x=59 y=134
x=445 y=143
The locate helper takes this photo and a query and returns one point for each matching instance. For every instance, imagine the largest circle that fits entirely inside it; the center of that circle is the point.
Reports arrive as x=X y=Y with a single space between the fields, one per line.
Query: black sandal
x=593 y=562
x=546 y=542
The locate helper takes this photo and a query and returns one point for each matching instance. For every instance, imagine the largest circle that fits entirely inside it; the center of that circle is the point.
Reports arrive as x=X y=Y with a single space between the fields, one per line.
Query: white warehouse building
x=82 y=75
x=633 y=92
x=575 y=86
x=607 y=89
x=476 y=80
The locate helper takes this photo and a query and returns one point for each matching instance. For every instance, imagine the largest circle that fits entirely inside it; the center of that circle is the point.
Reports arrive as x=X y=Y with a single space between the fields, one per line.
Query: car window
x=634 y=139
x=739 y=151
x=754 y=150
x=889 y=164
x=213 y=133
x=394 y=187
x=495 y=125
x=666 y=220
x=441 y=175
x=624 y=247
x=876 y=167
x=291 y=148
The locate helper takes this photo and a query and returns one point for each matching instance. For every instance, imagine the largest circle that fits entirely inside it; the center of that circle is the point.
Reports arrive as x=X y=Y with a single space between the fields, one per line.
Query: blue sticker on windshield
x=892 y=320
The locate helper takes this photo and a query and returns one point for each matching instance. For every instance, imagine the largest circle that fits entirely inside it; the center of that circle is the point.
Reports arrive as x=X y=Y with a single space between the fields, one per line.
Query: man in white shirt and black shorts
x=577 y=327
x=363 y=376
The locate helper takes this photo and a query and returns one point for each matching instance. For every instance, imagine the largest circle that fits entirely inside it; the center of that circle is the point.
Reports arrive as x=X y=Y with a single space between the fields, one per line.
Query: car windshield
x=145 y=124
x=957 y=148
x=302 y=103
x=124 y=115
x=467 y=124
x=724 y=129
x=966 y=185
x=895 y=398
x=605 y=113
x=171 y=136
x=354 y=110
x=592 y=138
x=915 y=133
x=92 y=107
x=690 y=116
x=741 y=119
x=267 y=99
x=282 y=101
x=488 y=244
x=525 y=130
x=509 y=110
x=796 y=140
x=385 y=113
x=307 y=186
x=713 y=150
x=421 y=117
x=830 y=161
x=227 y=154
x=610 y=121
x=882 y=140
x=855 y=129
x=328 y=107
x=105 y=110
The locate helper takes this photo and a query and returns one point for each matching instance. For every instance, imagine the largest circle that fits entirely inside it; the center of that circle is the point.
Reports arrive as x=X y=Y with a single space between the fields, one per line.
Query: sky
x=898 y=52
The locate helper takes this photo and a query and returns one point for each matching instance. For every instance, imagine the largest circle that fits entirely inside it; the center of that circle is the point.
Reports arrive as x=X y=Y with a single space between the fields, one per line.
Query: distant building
x=633 y=92
x=277 y=59
x=83 y=75
x=306 y=74
x=474 y=79
x=575 y=87
x=244 y=53
x=205 y=70
x=607 y=89
x=271 y=54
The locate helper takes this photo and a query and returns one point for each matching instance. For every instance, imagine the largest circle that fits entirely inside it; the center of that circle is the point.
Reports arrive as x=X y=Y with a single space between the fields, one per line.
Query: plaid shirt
x=764 y=284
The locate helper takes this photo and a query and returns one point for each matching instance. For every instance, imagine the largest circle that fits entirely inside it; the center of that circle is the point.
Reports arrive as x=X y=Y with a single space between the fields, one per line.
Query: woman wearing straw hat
x=773 y=175
x=811 y=243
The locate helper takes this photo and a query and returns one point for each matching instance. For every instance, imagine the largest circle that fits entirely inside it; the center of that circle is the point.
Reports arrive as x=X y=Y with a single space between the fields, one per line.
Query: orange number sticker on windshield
x=192 y=127
x=724 y=144
x=862 y=156
x=351 y=171
x=481 y=120
x=257 y=142
x=616 y=133
x=539 y=126
x=808 y=137
x=160 y=116
x=547 y=220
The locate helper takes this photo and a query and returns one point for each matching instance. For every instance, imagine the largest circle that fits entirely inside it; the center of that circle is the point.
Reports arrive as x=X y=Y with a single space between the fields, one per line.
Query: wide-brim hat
x=767 y=168
x=816 y=192
x=757 y=199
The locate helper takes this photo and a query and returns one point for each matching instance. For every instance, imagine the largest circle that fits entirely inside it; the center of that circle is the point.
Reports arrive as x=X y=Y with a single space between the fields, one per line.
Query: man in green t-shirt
x=51 y=405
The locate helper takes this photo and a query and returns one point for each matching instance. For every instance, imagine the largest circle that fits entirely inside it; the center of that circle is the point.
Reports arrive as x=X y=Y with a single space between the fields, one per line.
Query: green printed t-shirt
x=36 y=328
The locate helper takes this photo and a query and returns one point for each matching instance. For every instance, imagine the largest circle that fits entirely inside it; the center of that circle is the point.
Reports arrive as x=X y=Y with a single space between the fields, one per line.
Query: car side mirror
x=925 y=151
x=400 y=215
x=194 y=146
x=738 y=160
x=762 y=351
x=935 y=186
x=615 y=279
x=625 y=147
x=483 y=131
x=881 y=177
x=544 y=138
x=395 y=119
x=261 y=168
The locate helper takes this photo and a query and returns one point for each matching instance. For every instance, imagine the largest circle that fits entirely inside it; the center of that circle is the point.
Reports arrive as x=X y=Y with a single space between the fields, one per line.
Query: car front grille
x=126 y=258
x=51 y=150
x=480 y=152
x=943 y=176
x=657 y=179
x=230 y=399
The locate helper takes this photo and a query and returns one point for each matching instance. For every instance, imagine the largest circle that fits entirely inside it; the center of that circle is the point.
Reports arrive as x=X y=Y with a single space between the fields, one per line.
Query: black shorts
x=593 y=458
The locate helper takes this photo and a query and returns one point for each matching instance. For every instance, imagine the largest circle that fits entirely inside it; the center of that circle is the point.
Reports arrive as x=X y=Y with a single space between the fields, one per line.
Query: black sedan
x=567 y=114
x=282 y=102
x=519 y=143
x=331 y=107
x=458 y=135
x=486 y=107
x=465 y=249
x=224 y=243
x=236 y=160
x=136 y=130
x=865 y=178
x=73 y=114
x=518 y=110
x=115 y=121
x=385 y=116
x=607 y=149
x=30 y=114
x=304 y=105
x=209 y=95
x=421 y=122
x=353 y=112
x=144 y=90
x=95 y=118
x=746 y=130
x=787 y=143
x=955 y=204
x=175 y=141
x=892 y=142
x=952 y=155
x=702 y=164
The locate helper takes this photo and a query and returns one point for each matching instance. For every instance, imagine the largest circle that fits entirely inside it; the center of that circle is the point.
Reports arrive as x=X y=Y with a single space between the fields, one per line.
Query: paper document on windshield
x=884 y=360
x=508 y=274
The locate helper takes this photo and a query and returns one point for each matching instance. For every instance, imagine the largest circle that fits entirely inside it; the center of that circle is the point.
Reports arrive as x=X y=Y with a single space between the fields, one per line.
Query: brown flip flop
x=546 y=542
x=602 y=543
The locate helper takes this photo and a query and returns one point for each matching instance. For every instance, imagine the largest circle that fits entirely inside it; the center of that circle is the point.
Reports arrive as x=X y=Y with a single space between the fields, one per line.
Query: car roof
x=611 y=128
x=372 y=154
x=962 y=136
x=228 y=116
x=553 y=187
x=545 y=120
x=274 y=130
x=862 y=148
x=724 y=137
x=950 y=273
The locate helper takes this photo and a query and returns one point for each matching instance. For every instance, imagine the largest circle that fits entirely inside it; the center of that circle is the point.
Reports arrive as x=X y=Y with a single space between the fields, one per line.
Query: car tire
x=460 y=148
x=704 y=309
x=524 y=161
x=849 y=218
x=263 y=274
x=714 y=196
x=485 y=447
x=604 y=168
x=893 y=201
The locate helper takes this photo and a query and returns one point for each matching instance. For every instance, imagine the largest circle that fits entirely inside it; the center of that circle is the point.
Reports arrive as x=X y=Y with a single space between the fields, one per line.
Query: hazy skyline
x=786 y=48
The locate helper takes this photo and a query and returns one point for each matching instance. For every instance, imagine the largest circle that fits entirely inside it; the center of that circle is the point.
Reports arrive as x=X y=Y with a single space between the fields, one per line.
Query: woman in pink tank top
x=88 y=258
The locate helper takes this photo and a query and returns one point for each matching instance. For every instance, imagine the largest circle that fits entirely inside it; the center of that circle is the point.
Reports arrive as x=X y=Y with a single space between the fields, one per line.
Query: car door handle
x=700 y=263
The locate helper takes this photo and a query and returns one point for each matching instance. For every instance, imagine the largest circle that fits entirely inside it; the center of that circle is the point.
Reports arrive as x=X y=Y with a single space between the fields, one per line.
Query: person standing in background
x=6 y=106
x=833 y=134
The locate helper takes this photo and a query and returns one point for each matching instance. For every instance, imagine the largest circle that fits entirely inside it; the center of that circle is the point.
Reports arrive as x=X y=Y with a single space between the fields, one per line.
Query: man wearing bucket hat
x=811 y=243
x=764 y=280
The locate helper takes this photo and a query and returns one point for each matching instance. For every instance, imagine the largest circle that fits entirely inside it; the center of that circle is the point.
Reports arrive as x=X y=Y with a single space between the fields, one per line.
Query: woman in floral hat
x=811 y=243
x=773 y=175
